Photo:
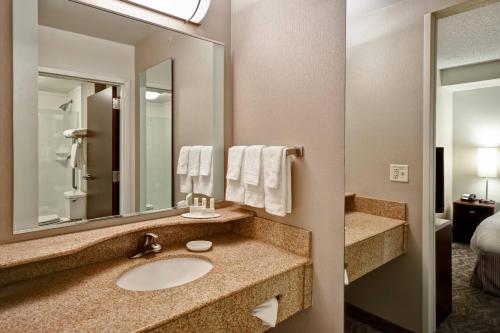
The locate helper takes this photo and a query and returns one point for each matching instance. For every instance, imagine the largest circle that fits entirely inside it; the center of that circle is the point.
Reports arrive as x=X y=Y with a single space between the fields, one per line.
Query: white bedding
x=486 y=238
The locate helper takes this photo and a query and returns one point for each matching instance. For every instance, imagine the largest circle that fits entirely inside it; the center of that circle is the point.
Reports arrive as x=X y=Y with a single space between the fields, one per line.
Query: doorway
x=462 y=82
x=79 y=149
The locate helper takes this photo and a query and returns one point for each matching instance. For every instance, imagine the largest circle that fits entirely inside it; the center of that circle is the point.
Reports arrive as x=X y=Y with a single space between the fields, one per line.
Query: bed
x=486 y=243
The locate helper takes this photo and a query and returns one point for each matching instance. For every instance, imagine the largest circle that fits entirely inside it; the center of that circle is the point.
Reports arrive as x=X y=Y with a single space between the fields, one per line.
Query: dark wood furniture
x=466 y=217
x=443 y=270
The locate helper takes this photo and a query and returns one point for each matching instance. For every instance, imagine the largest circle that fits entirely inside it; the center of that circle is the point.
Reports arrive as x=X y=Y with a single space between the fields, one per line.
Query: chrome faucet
x=149 y=246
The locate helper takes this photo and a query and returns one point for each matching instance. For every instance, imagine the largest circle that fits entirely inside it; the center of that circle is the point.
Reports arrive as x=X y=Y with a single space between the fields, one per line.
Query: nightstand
x=466 y=217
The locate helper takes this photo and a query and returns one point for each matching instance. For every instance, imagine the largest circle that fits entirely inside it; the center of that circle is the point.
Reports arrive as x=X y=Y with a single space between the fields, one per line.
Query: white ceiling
x=469 y=37
x=82 y=19
x=56 y=85
x=474 y=85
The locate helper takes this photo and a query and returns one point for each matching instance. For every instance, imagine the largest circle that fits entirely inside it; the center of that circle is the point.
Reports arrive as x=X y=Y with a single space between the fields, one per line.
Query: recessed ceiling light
x=151 y=95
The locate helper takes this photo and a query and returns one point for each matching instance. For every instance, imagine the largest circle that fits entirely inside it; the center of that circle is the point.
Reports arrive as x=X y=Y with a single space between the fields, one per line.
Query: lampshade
x=487 y=162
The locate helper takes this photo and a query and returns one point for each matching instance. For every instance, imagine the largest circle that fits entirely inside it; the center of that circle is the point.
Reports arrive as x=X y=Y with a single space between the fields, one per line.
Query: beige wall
x=215 y=26
x=384 y=102
x=476 y=123
x=288 y=72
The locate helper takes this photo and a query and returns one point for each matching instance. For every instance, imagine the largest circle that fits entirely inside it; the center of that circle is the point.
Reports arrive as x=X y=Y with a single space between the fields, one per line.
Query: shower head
x=66 y=106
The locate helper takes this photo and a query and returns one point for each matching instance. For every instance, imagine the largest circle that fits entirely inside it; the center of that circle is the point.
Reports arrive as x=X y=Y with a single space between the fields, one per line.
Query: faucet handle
x=149 y=246
x=151 y=235
x=149 y=238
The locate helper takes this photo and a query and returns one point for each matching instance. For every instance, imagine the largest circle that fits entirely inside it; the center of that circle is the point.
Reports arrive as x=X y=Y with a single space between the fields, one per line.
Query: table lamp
x=487 y=167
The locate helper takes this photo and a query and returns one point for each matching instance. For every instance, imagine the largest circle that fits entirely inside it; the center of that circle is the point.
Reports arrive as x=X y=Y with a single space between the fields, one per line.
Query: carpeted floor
x=473 y=310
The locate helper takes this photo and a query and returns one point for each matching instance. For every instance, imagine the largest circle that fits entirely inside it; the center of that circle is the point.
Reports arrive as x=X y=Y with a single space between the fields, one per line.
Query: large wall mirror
x=103 y=105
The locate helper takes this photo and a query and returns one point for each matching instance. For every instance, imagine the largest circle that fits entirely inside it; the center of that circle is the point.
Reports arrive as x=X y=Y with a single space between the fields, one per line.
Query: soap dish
x=199 y=246
x=200 y=216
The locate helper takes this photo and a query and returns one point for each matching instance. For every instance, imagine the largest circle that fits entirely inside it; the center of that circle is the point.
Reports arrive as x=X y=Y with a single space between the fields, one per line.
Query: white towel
x=204 y=183
x=253 y=163
x=277 y=180
x=253 y=177
x=267 y=312
x=185 y=180
x=235 y=190
x=183 y=161
x=234 y=162
x=273 y=158
x=206 y=160
x=194 y=161
x=77 y=158
x=74 y=132
x=185 y=184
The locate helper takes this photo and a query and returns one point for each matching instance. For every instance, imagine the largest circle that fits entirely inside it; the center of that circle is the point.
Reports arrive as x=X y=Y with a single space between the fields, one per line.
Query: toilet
x=76 y=205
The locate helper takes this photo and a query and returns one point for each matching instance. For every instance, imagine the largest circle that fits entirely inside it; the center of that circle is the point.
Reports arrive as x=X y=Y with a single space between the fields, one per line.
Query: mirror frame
x=7 y=233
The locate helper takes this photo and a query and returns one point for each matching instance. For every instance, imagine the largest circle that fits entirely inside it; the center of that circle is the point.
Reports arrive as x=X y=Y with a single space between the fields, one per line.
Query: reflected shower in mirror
x=156 y=140
x=111 y=118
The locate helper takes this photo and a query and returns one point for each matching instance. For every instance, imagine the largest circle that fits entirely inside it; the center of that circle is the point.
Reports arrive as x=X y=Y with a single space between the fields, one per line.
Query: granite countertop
x=86 y=299
x=361 y=226
x=51 y=247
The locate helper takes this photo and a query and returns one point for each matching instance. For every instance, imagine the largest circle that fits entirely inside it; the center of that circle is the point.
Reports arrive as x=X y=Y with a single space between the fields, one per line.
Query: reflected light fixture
x=152 y=95
x=189 y=10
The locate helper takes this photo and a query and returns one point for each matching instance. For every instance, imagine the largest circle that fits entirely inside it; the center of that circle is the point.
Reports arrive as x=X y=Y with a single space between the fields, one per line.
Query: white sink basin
x=162 y=274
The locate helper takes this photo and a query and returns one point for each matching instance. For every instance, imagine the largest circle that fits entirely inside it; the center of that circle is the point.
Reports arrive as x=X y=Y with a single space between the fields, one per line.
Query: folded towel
x=253 y=161
x=273 y=158
x=234 y=162
x=277 y=189
x=204 y=183
x=267 y=312
x=74 y=132
x=185 y=184
x=205 y=160
x=183 y=161
x=194 y=161
x=235 y=189
x=253 y=178
x=77 y=157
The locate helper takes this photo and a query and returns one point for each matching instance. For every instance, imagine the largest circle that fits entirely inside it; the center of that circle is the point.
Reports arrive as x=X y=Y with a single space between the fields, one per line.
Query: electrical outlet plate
x=398 y=173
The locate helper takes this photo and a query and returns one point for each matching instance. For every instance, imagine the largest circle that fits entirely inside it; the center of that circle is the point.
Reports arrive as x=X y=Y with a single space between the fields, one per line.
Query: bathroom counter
x=362 y=226
x=375 y=233
x=57 y=246
x=86 y=299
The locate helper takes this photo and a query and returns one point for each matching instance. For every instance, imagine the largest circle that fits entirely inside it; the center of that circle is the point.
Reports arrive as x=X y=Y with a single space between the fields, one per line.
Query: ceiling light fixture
x=189 y=10
x=152 y=95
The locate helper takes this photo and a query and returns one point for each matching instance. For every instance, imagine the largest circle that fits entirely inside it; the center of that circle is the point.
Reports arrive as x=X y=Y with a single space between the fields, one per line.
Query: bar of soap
x=199 y=246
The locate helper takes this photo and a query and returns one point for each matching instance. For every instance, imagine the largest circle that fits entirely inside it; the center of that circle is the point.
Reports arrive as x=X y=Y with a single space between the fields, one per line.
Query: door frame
x=127 y=142
x=429 y=145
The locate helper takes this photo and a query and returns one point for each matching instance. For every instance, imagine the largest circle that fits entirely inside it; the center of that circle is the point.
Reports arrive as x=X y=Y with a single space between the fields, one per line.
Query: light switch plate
x=398 y=173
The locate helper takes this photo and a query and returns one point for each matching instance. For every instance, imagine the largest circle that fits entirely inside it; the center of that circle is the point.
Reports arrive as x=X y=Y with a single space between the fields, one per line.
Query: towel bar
x=297 y=151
